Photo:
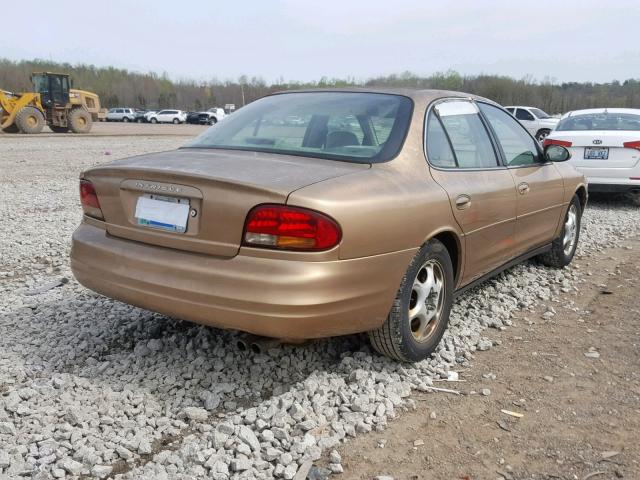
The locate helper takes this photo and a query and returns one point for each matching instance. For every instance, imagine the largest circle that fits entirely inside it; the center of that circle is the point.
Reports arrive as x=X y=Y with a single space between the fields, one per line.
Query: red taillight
x=89 y=199
x=552 y=141
x=284 y=227
x=635 y=144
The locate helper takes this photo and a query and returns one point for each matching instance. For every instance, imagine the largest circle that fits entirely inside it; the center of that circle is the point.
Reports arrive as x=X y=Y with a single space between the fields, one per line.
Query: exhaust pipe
x=263 y=344
x=257 y=344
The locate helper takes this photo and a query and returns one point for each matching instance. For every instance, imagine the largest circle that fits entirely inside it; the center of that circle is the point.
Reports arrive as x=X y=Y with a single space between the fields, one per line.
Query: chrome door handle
x=463 y=201
x=523 y=188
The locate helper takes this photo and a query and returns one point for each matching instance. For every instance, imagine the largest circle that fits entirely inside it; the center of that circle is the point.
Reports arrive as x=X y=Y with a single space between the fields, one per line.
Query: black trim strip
x=497 y=271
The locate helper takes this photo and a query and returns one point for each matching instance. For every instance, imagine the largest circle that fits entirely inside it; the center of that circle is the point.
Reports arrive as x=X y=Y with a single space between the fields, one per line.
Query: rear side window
x=438 y=148
x=600 y=121
x=518 y=146
x=466 y=133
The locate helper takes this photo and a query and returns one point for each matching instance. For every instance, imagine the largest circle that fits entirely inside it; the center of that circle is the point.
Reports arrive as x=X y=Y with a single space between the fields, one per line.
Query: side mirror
x=556 y=153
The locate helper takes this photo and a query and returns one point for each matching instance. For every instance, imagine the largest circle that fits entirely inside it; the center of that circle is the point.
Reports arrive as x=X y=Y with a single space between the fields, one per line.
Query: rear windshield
x=348 y=126
x=539 y=113
x=600 y=121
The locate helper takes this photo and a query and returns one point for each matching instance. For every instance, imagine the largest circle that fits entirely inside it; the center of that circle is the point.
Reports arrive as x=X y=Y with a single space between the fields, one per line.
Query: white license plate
x=596 y=153
x=164 y=213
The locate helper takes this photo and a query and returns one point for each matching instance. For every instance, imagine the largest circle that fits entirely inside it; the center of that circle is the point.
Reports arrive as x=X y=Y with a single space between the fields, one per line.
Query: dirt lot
x=581 y=415
x=69 y=350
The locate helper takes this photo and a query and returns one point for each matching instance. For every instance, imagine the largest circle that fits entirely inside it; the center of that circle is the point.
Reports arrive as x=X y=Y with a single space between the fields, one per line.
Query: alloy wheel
x=570 y=230
x=427 y=300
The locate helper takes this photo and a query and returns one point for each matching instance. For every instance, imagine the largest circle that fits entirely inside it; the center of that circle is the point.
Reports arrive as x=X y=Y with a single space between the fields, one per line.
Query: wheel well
x=582 y=196
x=450 y=241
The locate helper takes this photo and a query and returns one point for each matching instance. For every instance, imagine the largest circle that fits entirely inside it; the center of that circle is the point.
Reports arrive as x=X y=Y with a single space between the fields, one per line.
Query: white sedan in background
x=605 y=147
x=538 y=122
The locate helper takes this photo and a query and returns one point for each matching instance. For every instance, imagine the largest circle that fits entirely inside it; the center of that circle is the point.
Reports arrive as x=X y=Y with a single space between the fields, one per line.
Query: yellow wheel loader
x=52 y=103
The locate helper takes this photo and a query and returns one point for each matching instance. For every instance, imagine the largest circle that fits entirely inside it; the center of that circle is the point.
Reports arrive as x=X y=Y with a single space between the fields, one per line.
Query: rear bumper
x=276 y=298
x=614 y=188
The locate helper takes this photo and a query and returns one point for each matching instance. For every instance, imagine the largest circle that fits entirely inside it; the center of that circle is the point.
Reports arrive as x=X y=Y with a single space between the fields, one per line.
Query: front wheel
x=153 y=120
x=176 y=121
x=420 y=312
x=634 y=198
x=125 y=120
x=564 y=247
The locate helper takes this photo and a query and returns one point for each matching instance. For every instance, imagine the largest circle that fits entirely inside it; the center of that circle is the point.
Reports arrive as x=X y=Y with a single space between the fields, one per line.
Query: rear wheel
x=542 y=134
x=564 y=247
x=420 y=312
x=55 y=129
x=634 y=197
x=80 y=121
x=30 y=120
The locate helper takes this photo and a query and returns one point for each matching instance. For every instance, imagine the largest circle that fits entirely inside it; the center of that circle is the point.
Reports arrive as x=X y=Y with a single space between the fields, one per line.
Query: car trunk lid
x=219 y=186
x=618 y=155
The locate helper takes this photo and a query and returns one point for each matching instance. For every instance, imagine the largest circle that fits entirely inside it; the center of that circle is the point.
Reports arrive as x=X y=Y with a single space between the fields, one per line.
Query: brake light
x=634 y=144
x=552 y=141
x=290 y=228
x=89 y=199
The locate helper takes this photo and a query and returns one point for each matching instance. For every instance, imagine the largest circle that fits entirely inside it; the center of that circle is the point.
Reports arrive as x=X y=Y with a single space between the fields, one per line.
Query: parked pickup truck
x=536 y=121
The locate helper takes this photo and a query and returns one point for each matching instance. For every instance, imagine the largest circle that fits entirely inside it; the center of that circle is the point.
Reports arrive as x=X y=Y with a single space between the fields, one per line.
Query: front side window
x=518 y=146
x=349 y=126
x=522 y=114
x=466 y=132
x=600 y=121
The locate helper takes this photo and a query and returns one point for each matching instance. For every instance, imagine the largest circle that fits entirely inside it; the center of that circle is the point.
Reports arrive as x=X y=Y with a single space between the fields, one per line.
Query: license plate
x=596 y=153
x=164 y=213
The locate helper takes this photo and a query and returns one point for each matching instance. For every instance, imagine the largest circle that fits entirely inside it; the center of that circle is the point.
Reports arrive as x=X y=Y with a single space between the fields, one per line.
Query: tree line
x=120 y=87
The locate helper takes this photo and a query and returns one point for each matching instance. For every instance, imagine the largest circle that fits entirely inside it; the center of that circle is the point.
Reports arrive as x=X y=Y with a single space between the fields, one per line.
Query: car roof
x=418 y=95
x=519 y=106
x=587 y=111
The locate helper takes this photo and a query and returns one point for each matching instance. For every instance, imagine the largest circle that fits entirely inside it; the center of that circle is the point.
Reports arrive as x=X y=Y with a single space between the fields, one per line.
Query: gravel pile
x=96 y=388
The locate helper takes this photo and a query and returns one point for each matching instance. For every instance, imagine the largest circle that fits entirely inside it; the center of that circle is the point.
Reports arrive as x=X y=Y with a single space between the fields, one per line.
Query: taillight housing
x=89 y=200
x=290 y=228
x=635 y=144
x=553 y=141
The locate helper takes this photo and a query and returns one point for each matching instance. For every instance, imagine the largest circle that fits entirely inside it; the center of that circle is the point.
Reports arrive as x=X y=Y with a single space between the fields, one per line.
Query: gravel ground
x=91 y=387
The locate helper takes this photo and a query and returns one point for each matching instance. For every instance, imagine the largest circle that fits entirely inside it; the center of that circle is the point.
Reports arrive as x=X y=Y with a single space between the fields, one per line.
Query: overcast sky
x=565 y=40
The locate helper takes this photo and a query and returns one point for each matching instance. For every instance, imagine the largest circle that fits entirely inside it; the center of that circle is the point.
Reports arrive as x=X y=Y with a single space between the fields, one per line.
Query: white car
x=538 y=122
x=167 y=116
x=121 y=115
x=605 y=146
x=216 y=114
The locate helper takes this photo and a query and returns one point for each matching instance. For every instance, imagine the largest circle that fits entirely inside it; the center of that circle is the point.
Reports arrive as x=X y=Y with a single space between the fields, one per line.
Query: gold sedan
x=319 y=213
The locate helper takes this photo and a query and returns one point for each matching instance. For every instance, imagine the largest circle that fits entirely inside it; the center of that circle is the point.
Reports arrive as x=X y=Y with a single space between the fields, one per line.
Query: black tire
x=80 y=121
x=542 y=134
x=176 y=121
x=561 y=254
x=153 y=120
x=56 y=129
x=213 y=121
x=30 y=120
x=125 y=119
x=396 y=338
